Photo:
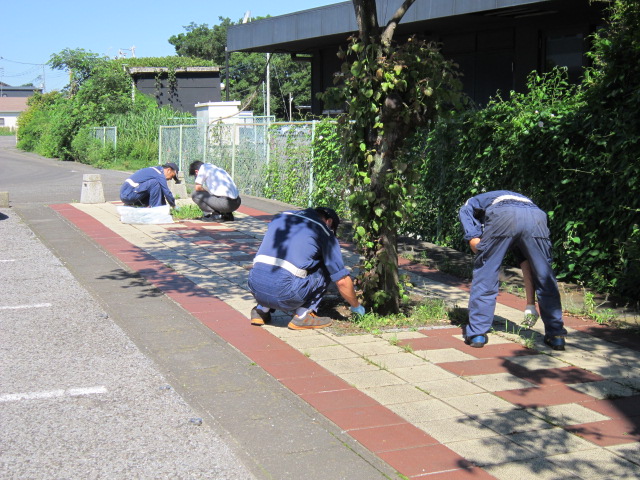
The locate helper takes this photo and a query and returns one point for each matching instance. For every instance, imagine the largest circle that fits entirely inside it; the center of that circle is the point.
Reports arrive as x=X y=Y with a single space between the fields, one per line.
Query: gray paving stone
x=372 y=378
x=538 y=468
x=605 y=389
x=456 y=429
x=597 y=464
x=551 y=441
x=497 y=382
x=512 y=421
x=491 y=451
x=449 y=387
x=424 y=410
x=392 y=394
x=422 y=373
x=479 y=403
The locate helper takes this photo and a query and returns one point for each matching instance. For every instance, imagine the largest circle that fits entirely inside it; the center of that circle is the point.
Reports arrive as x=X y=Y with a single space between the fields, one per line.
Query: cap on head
x=174 y=167
x=330 y=213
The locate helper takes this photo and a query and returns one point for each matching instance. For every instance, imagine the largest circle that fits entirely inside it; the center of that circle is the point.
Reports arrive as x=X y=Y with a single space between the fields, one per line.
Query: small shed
x=181 y=88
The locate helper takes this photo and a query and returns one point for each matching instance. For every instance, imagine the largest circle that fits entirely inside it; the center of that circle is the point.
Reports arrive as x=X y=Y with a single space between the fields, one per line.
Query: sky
x=34 y=30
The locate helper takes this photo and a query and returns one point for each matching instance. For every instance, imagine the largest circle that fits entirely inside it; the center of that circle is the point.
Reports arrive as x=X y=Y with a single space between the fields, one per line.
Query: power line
x=23 y=63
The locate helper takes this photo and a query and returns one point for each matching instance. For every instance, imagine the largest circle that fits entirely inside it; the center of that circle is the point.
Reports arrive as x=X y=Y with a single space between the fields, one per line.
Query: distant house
x=10 y=108
x=496 y=43
x=180 y=89
x=13 y=101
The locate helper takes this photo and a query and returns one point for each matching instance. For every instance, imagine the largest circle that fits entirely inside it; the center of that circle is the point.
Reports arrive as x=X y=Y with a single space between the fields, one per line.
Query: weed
x=431 y=311
x=186 y=212
x=591 y=310
x=423 y=390
x=512 y=289
x=407 y=348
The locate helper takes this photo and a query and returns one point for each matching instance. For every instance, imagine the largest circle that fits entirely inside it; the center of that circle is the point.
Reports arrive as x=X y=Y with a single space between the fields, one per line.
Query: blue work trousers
x=506 y=226
x=277 y=288
x=147 y=194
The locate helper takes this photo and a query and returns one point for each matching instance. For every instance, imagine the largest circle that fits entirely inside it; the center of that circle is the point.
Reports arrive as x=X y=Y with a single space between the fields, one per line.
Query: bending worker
x=148 y=186
x=493 y=223
x=298 y=258
x=215 y=193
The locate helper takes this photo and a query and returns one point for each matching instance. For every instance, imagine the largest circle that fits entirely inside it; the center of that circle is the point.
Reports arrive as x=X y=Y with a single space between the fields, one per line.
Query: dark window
x=565 y=50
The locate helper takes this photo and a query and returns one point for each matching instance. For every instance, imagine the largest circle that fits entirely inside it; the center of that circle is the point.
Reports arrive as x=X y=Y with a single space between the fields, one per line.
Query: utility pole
x=268 y=112
x=290 y=106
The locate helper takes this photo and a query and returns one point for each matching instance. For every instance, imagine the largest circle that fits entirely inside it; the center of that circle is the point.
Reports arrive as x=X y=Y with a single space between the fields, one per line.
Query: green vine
x=389 y=91
x=167 y=66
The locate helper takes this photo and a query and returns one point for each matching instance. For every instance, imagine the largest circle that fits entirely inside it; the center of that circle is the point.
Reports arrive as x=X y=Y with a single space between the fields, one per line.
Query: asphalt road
x=78 y=399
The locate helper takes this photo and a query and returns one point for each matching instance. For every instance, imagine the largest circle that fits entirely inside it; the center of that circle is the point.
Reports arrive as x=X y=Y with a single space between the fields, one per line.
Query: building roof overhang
x=310 y=30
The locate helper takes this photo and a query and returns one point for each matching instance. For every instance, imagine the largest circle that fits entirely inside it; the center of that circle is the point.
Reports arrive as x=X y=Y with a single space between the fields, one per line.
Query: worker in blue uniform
x=493 y=223
x=298 y=258
x=148 y=186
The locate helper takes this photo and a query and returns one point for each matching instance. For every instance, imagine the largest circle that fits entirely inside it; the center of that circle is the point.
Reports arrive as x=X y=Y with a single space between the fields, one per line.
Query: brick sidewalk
x=424 y=402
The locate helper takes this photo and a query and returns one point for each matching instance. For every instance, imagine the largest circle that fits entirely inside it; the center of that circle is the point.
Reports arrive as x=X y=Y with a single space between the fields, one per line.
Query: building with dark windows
x=496 y=43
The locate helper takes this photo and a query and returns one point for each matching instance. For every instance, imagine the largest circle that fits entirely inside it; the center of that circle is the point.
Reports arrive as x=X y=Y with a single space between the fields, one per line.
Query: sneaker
x=227 y=217
x=309 y=321
x=211 y=217
x=477 y=341
x=258 y=317
x=556 y=343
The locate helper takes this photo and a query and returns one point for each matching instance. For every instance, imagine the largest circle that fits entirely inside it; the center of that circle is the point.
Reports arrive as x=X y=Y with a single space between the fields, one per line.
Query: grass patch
x=6 y=132
x=186 y=212
x=419 y=313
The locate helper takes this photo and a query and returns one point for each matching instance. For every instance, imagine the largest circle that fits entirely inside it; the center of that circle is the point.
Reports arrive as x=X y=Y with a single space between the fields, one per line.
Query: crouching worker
x=148 y=187
x=215 y=193
x=493 y=223
x=298 y=258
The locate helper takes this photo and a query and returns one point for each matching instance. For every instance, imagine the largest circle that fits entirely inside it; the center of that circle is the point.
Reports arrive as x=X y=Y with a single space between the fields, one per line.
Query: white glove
x=530 y=316
x=359 y=310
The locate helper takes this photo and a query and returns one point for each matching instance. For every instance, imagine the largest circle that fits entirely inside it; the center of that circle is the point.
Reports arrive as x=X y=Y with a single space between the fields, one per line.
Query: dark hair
x=330 y=213
x=194 y=167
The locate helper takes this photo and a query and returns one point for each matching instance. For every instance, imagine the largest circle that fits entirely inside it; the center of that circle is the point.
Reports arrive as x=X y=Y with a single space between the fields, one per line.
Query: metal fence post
x=234 y=132
x=160 y=146
x=313 y=133
x=180 y=150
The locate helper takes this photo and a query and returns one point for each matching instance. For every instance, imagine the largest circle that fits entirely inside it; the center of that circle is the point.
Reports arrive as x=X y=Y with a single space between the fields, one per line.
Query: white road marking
x=19 y=307
x=71 y=392
x=11 y=260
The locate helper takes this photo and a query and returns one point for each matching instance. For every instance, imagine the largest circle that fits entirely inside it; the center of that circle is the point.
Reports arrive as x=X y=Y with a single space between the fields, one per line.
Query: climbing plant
x=389 y=89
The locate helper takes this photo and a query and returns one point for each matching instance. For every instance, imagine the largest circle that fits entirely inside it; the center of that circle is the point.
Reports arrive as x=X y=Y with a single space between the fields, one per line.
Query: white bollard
x=92 y=191
x=4 y=199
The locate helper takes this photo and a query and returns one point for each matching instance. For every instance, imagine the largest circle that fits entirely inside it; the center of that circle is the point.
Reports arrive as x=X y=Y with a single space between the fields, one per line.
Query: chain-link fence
x=107 y=135
x=265 y=159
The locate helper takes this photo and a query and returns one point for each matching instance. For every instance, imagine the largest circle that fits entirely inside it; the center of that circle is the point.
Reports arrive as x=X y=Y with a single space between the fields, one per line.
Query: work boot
x=555 y=342
x=258 y=317
x=227 y=217
x=211 y=217
x=477 y=341
x=309 y=321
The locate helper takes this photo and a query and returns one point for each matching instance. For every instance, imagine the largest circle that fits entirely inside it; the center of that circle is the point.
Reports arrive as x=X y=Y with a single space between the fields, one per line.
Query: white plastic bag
x=142 y=215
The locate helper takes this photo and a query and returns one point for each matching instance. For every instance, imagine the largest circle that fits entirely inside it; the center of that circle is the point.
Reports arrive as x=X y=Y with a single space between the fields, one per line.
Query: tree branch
x=390 y=29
